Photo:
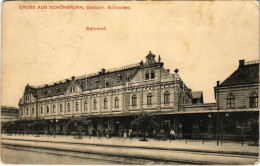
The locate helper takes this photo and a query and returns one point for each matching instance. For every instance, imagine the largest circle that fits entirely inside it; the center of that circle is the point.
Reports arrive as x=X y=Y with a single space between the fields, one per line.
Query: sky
x=203 y=39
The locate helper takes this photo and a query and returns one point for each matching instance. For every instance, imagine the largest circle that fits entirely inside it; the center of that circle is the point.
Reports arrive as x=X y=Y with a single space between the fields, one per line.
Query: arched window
x=134 y=100
x=54 y=109
x=231 y=101
x=85 y=105
x=105 y=103
x=149 y=99
x=152 y=74
x=147 y=75
x=167 y=97
x=47 y=109
x=116 y=102
x=77 y=106
x=68 y=106
x=95 y=104
x=253 y=100
x=61 y=108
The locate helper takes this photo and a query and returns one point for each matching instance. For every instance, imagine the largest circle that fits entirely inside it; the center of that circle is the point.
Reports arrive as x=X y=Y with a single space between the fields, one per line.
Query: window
x=95 y=104
x=47 y=109
x=21 y=111
x=85 y=105
x=105 y=103
x=149 y=99
x=68 y=106
x=231 y=101
x=41 y=110
x=27 y=111
x=147 y=75
x=61 y=108
x=134 y=100
x=120 y=77
x=167 y=97
x=32 y=110
x=253 y=100
x=77 y=106
x=116 y=102
x=54 y=109
x=152 y=74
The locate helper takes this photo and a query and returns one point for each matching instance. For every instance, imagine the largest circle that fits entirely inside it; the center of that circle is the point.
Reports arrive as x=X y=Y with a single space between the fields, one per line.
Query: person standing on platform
x=125 y=134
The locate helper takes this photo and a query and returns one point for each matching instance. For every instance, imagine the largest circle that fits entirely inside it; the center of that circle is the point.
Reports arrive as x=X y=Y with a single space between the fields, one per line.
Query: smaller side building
x=9 y=113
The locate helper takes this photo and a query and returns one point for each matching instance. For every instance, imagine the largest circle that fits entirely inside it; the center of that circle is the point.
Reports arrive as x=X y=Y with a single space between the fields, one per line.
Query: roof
x=197 y=94
x=245 y=74
x=8 y=107
x=105 y=79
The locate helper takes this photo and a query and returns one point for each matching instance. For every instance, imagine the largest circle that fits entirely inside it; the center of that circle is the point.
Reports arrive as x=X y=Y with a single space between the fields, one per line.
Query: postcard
x=130 y=82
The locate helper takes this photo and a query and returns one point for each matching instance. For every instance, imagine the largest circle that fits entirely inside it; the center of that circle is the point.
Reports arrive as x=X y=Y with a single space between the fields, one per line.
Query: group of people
x=124 y=133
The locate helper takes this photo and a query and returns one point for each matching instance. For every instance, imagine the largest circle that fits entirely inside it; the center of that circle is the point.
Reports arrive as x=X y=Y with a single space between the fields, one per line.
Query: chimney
x=176 y=71
x=103 y=71
x=73 y=77
x=241 y=62
x=218 y=83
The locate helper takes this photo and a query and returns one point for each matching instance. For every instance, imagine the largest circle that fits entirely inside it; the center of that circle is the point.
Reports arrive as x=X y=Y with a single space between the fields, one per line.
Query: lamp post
x=54 y=125
x=221 y=127
x=218 y=113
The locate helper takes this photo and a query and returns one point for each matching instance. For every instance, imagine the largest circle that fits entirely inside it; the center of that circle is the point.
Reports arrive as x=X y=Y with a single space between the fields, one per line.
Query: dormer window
x=152 y=74
x=147 y=75
x=45 y=92
x=119 y=77
x=128 y=77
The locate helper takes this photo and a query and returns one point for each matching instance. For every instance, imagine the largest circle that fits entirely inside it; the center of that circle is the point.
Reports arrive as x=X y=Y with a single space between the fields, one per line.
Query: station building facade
x=112 y=98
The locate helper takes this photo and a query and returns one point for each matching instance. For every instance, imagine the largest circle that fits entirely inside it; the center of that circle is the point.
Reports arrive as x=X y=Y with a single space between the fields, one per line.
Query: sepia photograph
x=130 y=82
